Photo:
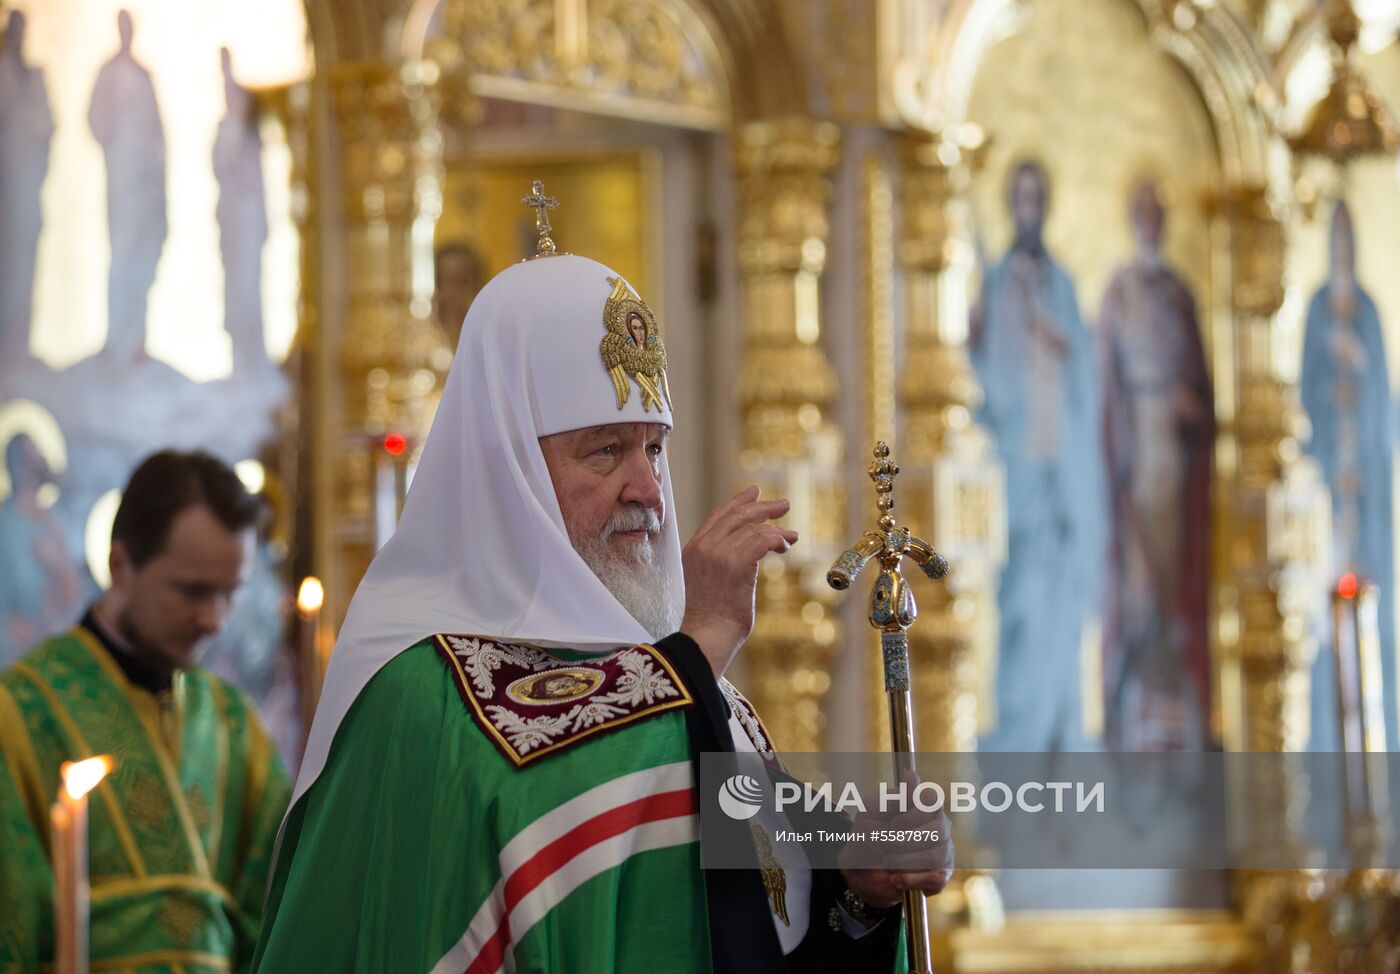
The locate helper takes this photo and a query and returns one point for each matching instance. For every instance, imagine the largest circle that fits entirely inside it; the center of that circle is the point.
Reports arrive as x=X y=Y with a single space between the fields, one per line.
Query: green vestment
x=492 y=808
x=180 y=834
x=395 y=855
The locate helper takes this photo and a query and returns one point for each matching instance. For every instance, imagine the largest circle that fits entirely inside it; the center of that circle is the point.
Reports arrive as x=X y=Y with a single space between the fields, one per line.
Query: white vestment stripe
x=587 y=863
x=598 y=859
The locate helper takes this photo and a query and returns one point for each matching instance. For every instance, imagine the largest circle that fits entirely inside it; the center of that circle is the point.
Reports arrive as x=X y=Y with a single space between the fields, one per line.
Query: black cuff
x=825 y=950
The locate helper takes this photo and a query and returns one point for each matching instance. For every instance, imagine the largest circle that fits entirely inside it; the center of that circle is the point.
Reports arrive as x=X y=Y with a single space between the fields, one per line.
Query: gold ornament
x=555 y=686
x=542 y=204
x=632 y=349
x=774 y=876
x=1351 y=120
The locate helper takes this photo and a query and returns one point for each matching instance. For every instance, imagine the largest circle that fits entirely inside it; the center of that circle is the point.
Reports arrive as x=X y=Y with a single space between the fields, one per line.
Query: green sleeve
x=26 y=883
x=364 y=880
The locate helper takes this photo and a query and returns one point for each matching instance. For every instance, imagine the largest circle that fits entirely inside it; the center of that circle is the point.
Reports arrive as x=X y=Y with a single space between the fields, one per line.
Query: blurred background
x=1116 y=279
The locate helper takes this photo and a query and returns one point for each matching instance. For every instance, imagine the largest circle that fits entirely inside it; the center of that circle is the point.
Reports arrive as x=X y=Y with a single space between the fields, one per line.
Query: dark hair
x=168 y=482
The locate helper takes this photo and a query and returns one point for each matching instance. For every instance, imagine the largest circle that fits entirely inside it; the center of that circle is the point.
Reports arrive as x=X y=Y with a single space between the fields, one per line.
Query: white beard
x=640 y=583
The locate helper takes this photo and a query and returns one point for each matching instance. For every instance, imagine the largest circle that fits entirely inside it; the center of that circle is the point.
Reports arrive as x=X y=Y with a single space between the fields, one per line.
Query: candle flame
x=81 y=777
x=311 y=596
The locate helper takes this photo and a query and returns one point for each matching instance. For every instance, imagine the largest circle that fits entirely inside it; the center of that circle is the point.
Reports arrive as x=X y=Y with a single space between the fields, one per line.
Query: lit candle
x=311 y=596
x=1356 y=647
x=70 y=861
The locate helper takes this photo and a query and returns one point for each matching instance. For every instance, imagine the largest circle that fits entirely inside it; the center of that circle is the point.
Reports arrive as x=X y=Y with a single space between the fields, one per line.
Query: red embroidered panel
x=532 y=704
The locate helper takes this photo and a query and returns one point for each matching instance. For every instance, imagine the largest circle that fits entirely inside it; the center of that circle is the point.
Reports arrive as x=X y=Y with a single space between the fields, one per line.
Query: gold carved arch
x=695 y=63
x=932 y=82
x=1219 y=54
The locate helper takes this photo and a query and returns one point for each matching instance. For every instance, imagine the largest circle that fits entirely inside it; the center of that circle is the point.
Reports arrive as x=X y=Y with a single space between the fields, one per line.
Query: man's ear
x=119 y=563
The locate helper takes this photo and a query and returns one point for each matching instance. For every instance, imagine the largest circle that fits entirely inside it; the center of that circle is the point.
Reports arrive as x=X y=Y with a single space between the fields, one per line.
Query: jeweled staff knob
x=889 y=543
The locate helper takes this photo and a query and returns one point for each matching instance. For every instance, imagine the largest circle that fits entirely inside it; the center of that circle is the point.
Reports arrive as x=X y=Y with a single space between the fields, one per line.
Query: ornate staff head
x=890 y=543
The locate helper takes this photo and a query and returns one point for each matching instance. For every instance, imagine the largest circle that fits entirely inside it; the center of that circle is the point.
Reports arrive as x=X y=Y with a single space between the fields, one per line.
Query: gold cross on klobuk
x=542 y=204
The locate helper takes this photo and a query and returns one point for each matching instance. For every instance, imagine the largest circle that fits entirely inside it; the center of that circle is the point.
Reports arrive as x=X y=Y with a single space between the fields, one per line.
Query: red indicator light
x=1347 y=586
x=395 y=444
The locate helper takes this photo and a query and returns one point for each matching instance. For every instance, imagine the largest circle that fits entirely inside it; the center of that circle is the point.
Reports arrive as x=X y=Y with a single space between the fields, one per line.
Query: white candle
x=70 y=862
x=311 y=596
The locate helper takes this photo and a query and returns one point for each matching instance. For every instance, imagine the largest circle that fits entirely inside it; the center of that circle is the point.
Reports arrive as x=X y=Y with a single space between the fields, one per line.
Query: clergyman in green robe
x=181 y=832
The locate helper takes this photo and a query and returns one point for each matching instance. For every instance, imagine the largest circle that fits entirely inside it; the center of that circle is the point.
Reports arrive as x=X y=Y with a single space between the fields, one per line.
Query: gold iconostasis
x=1115 y=279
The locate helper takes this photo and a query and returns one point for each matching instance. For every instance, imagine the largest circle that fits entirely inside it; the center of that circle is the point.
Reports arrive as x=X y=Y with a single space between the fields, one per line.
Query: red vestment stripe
x=543 y=864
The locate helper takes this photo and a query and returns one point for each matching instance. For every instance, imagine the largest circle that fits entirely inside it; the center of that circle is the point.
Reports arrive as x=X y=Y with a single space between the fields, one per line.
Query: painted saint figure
x=458 y=276
x=1345 y=390
x=637 y=329
x=40 y=589
x=242 y=216
x=26 y=129
x=125 y=120
x=1159 y=436
x=1033 y=357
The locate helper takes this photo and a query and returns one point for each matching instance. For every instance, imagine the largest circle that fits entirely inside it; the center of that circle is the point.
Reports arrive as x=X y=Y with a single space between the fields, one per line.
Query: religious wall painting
x=1158 y=443
x=241 y=214
x=458 y=275
x=26 y=131
x=1345 y=390
x=144 y=168
x=1092 y=140
x=129 y=396
x=1034 y=359
x=125 y=119
x=40 y=581
x=1343 y=298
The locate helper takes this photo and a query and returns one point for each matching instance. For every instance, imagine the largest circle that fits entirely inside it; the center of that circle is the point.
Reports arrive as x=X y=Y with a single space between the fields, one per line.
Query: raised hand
x=721 y=572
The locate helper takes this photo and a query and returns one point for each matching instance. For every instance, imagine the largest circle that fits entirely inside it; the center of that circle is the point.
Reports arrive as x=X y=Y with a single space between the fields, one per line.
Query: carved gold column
x=391 y=354
x=1273 y=551
x=786 y=390
x=1279 y=531
x=957 y=482
x=958 y=503
x=291 y=106
x=301 y=447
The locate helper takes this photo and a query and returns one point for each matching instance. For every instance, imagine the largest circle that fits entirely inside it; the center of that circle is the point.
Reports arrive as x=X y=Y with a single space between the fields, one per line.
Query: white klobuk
x=481 y=547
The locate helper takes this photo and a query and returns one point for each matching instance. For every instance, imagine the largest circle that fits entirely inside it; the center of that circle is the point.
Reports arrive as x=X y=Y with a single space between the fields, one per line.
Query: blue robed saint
x=1345 y=390
x=1034 y=359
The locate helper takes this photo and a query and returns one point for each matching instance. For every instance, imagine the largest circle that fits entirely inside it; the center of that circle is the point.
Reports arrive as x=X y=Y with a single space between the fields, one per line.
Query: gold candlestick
x=892 y=611
x=70 y=862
